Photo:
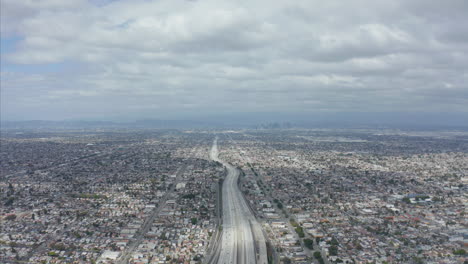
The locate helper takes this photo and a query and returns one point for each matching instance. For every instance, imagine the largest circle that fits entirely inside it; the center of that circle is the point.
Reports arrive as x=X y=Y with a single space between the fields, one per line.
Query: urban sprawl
x=156 y=196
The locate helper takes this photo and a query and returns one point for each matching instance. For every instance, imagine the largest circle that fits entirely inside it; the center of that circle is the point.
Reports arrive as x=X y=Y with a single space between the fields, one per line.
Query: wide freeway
x=242 y=239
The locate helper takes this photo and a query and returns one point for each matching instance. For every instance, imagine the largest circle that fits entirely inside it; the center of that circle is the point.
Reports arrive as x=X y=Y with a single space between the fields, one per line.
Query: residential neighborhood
x=155 y=196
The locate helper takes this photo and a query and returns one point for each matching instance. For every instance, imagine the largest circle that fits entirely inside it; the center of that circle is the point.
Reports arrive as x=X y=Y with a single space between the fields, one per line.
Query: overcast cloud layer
x=171 y=58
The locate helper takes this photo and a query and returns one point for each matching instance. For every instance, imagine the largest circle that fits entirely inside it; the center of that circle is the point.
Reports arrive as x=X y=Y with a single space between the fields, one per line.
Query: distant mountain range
x=267 y=121
x=42 y=124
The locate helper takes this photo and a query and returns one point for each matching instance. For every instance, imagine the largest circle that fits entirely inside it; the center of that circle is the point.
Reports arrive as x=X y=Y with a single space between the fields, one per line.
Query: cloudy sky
x=177 y=58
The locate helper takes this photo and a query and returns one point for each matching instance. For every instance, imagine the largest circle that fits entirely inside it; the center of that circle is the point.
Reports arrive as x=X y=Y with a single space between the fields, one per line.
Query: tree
x=318 y=256
x=9 y=201
x=194 y=221
x=280 y=205
x=333 y=250
x=11 y=189
x=58 y=246
x=188 y=196
x=309 y=243
x=300 y=231
x=417 y=260
x=460 y=252
x=334 y=242
x=293 y=223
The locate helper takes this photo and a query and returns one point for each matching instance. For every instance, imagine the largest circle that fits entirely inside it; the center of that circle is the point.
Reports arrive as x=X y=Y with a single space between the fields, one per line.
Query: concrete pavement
x=241 y=234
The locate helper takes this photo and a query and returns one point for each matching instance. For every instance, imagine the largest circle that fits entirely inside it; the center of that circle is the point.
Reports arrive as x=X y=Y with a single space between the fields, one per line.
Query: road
x=287 y=215
x=139 y=236
x=242 y=241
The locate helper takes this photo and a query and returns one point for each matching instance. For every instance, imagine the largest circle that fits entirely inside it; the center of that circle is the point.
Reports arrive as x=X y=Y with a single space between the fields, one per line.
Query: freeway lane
x=238 y=242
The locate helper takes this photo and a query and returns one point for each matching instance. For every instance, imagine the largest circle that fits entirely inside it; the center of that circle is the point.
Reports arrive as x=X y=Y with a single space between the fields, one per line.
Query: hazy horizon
x=267 y=120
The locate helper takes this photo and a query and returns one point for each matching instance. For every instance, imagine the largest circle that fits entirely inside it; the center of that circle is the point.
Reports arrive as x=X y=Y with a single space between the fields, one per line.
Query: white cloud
x=246 y=55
